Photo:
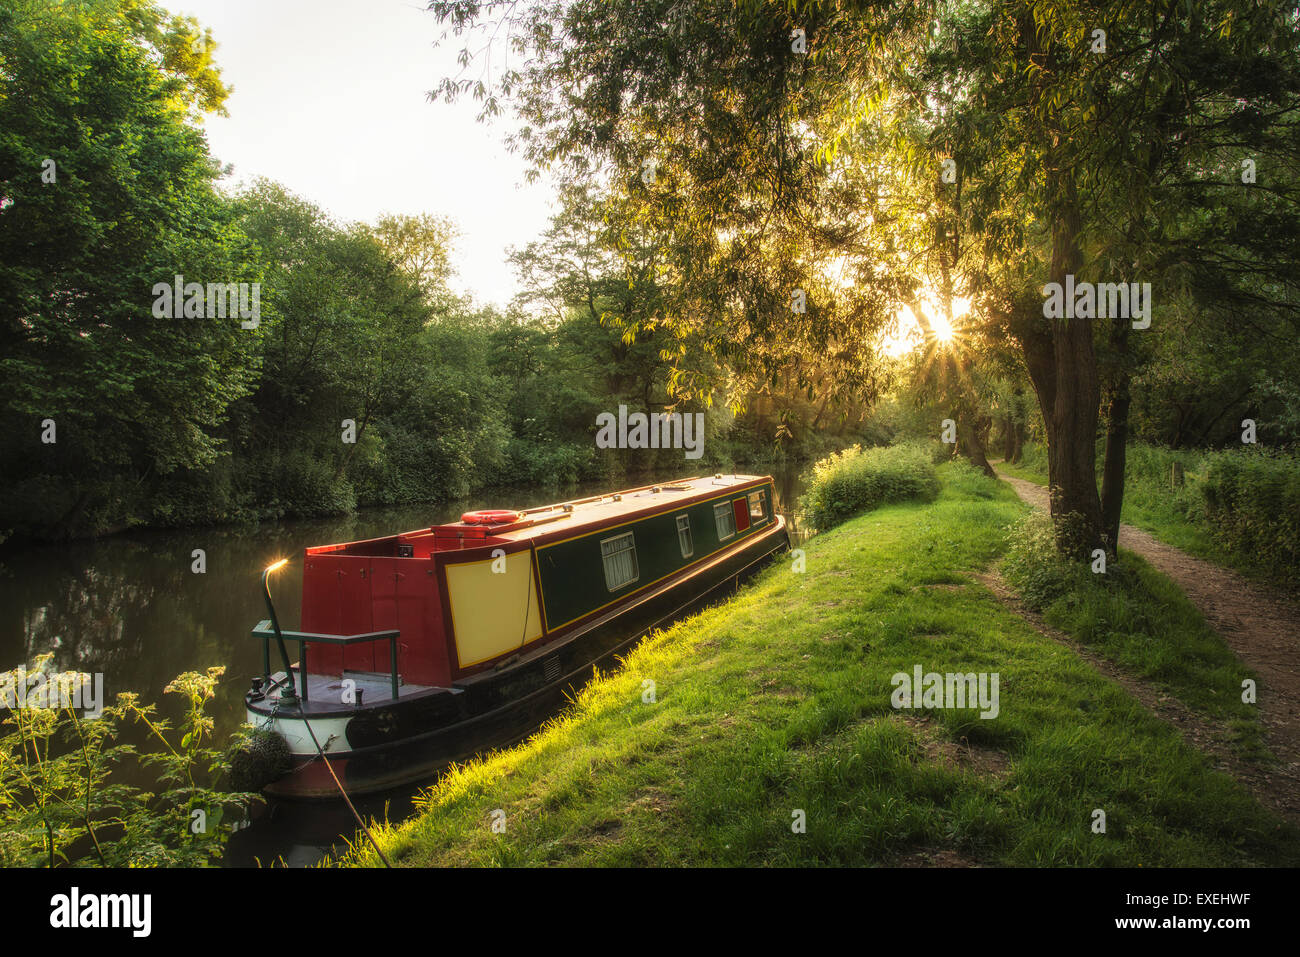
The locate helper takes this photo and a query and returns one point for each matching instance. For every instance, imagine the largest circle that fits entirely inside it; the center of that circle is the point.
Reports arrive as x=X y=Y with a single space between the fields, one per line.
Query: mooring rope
x=337 y=783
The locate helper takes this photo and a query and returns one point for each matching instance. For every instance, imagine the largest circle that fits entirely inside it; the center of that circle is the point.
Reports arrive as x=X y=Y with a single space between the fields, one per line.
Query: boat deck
x=325 y=692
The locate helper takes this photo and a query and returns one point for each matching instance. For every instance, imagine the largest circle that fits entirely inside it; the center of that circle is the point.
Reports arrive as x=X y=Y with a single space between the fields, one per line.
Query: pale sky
x=330 y=100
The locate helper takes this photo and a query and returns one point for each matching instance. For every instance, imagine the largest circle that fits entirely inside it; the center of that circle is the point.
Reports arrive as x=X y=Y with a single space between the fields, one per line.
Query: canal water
x=132 y=608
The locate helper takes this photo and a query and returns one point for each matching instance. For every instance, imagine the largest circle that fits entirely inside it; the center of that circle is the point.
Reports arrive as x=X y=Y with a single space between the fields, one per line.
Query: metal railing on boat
x=266 y=632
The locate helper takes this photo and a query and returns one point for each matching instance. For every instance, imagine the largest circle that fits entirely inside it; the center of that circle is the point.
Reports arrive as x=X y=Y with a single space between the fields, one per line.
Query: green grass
x=1138 y=618
x=779 y=700
x=1021 y=471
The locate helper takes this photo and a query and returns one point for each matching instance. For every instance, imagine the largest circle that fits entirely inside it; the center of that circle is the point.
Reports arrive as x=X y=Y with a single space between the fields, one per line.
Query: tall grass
x=858 y=480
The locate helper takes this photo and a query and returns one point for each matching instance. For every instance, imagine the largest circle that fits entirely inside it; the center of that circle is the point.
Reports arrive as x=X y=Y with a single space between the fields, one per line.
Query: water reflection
x=130 y=607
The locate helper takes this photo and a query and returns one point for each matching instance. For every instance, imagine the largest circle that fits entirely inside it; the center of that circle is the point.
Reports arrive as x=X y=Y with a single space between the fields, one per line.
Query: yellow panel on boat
x=488 y=607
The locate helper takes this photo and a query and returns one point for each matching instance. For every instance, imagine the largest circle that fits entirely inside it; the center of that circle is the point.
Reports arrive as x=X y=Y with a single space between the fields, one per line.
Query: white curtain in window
x=620 y=561
x=726 y=520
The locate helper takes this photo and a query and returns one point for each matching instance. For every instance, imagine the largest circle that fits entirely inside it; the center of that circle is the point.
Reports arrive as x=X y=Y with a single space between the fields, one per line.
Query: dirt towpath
x=1261 y=626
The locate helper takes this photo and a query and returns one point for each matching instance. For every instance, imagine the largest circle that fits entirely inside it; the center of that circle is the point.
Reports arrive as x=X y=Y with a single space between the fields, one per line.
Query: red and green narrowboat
x=426 y=647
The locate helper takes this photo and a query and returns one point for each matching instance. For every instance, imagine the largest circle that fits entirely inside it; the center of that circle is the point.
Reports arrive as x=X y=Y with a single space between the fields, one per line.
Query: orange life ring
x=491 y=516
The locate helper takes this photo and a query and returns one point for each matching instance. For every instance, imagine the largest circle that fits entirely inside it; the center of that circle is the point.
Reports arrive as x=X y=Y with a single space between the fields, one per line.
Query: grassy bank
x=779 y=702
x=1139 y=619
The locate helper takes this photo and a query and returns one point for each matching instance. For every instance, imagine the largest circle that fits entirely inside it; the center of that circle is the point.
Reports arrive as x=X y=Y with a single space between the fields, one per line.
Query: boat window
x=684 y=536
x=758 y=505
x=619 y=555
x=725 y=519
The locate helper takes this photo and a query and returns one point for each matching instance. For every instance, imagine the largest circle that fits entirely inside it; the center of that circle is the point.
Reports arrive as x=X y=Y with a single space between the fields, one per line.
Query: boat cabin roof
x=521 y=525
x=598 y=509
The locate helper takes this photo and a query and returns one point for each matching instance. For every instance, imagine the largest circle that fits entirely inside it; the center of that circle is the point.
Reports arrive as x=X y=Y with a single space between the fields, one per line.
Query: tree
x=1069 y=149
x=421 y=247
x=106 y=189
x=1108 y=132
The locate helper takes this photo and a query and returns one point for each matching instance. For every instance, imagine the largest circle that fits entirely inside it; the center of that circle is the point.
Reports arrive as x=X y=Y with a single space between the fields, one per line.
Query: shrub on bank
x=1252 y=500
x=1033 y=458
x=307 y=485
x=857 y=480
x=538 y=462
x=1034 y=566
x=1148 y=480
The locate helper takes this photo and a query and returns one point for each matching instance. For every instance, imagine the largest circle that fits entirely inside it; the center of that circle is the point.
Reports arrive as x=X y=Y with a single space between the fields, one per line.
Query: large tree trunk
x=1112 y=474
x=1063 y=368
x=1072 y=451
x=1059 y=352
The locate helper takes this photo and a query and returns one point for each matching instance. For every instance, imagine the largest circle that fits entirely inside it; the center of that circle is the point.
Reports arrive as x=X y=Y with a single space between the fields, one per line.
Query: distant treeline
x=365 y=382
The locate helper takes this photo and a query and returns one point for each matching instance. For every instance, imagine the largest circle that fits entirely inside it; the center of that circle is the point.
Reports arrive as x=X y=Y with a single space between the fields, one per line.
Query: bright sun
x=908 y=335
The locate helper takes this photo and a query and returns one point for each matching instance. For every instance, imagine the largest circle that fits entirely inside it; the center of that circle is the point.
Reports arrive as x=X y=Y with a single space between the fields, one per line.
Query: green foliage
x=102 y=91
x=298 y=482
x=63 y=796
x=1149 y=483
x=940 y=452
x=1034 y=458
x=544 y=463
x=1252 y=500
x=1239 y=506
x=1035 y=566
x=857 y=480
